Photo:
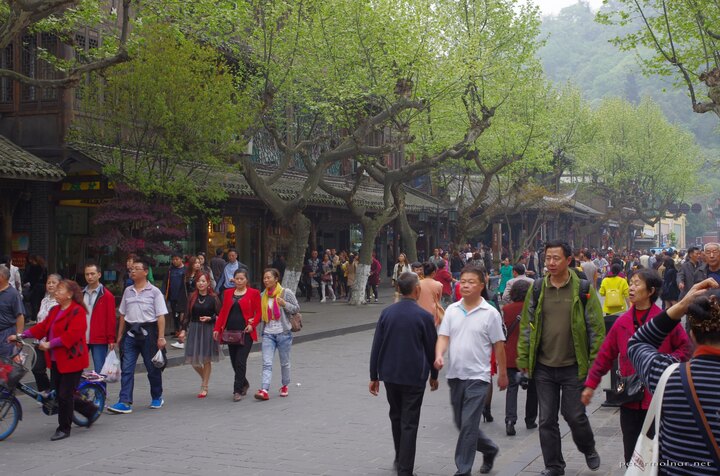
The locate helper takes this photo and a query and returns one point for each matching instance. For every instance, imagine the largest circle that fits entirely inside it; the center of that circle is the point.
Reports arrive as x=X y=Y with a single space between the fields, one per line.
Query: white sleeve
x=495 y=327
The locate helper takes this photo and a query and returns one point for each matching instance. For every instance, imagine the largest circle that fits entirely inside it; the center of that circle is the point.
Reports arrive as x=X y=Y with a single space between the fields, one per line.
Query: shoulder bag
x=646 y=455
x=629 y=388
x=699 y=414
x=296 y=323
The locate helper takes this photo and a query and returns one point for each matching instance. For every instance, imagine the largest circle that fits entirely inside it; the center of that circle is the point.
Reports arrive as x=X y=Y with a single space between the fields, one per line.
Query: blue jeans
x=467 y=398
x=99 y=352
x=281 y=342
x=132 y=348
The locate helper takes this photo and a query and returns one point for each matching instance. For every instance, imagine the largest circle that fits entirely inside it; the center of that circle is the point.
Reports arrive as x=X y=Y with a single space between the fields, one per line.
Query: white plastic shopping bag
x=111 y=367
x=159 y=359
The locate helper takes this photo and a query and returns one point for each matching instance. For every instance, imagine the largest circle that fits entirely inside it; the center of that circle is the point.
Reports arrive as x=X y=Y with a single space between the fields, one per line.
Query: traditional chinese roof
x=290 y=184
x=18 y=164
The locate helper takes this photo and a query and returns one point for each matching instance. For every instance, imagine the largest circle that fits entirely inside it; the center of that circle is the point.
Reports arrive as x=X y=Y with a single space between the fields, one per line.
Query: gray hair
x=4 y=272
x=407 y=283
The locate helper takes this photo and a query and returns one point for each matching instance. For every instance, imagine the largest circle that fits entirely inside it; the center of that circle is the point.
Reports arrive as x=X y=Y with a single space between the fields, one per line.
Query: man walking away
x=561 y=331
x=217 y=264
x=402 y=357
x=691 y=271
x=471 y=330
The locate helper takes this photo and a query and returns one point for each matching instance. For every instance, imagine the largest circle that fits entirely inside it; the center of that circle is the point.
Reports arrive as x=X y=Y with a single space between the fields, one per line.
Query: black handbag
x=629 y=389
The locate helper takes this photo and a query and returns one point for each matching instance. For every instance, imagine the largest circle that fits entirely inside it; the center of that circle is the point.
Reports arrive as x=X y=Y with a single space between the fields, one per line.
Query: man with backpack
x=561 y=331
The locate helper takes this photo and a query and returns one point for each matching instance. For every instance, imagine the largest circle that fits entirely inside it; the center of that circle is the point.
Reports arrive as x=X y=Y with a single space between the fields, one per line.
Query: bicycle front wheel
x=9 y=416
x=93 y=393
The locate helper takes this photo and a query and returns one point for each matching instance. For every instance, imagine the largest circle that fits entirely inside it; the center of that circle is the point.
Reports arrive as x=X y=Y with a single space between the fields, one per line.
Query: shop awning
x=18 y=164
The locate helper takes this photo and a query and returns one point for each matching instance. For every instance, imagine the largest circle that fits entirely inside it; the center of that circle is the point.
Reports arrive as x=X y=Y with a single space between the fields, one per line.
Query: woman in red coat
x=63 y=337
x=239 y=316
x=645 y=287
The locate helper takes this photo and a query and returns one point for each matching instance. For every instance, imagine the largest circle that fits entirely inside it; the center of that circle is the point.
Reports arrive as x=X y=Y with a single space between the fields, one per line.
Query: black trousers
x=405 y=402
x=238 y=357
x=39 y=371
x=65 y=385
x=631 y=422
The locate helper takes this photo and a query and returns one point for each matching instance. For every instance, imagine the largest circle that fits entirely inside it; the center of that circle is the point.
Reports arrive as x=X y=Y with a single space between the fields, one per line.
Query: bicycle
x=92 y=388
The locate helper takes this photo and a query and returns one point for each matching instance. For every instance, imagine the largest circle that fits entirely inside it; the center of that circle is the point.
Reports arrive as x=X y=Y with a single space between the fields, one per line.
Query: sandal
x=203 y=391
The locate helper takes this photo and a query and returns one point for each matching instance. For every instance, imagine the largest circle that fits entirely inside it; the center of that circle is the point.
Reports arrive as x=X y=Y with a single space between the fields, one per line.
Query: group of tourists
x=550 y=337
x=75 y=325
x=333 y=276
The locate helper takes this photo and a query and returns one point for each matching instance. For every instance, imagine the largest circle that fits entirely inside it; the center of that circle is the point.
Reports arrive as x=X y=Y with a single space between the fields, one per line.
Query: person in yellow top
x=615 y=290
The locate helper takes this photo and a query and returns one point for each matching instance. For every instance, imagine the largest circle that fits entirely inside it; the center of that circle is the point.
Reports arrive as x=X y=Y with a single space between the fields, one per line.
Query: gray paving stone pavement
x=330 y=424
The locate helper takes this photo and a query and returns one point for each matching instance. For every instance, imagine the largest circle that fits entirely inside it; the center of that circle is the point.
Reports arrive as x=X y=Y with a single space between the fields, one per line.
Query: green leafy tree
x=639 y=161
x=358 y=82
x=683 y=36
x=167 y=122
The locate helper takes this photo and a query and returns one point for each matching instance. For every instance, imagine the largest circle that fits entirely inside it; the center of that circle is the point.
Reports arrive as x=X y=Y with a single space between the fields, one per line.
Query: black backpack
x=584 y=291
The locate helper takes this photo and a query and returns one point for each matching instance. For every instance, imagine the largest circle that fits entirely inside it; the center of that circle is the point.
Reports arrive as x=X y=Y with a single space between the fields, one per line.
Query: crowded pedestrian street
x=329 y=425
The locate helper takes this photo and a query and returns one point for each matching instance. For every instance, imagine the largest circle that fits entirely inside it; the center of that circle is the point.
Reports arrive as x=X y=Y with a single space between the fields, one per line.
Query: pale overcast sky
x=551 y=7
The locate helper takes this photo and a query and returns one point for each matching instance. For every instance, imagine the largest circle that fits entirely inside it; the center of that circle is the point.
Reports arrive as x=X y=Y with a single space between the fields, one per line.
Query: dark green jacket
x=588 y=328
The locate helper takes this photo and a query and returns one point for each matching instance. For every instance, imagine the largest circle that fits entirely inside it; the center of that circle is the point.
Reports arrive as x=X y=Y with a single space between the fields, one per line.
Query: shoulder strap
x=698 y=413
x=584 y=291
x=537 y=288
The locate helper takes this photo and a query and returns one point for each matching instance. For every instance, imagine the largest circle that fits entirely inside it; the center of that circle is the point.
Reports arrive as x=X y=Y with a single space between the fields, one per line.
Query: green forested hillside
x=578 y=50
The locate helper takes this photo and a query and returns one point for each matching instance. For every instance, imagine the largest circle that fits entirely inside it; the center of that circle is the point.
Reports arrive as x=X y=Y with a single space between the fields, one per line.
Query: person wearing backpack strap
x=616 y=291
x=565 y=310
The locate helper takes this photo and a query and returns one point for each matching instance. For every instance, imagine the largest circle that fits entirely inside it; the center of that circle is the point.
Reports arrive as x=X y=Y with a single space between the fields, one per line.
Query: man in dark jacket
x=691 y=271
x=404 y=363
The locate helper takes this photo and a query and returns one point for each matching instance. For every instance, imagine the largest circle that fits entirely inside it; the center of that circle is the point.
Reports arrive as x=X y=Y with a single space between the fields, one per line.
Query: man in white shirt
x=141 y=333
x=469 y=332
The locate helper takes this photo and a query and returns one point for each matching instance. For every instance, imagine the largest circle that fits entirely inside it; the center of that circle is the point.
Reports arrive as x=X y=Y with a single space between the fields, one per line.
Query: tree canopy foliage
x=579 y=50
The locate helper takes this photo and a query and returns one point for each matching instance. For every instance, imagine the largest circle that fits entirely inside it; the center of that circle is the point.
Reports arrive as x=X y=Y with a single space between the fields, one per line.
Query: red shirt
x=445 y=278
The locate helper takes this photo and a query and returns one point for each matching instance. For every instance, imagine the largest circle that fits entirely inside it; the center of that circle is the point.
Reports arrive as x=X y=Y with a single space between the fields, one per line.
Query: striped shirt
x=682 y=447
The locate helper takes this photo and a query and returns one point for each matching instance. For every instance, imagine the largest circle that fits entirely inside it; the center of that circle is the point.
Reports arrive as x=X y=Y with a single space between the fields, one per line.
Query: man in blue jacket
x=402 y=356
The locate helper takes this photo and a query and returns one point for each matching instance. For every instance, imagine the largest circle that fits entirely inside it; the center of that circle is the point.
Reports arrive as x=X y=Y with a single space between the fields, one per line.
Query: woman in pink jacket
x=645 y=287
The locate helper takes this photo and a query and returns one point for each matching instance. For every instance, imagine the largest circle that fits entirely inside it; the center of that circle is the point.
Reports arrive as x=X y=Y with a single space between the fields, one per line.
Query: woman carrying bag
x=277 y=306
x=67 y=353
x=689 y=428
x=645 y=287
x=236 y=326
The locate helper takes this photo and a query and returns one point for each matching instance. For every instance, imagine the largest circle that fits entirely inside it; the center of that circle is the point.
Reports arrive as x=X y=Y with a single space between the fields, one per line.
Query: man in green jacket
x=560 y=335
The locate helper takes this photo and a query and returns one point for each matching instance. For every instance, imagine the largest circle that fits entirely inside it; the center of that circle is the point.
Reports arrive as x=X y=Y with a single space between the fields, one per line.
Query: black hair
x=474 y=269
x=90 y=264
x=652 y=280
x=615 y=269
x=176 y=255
x=567 y=250
x=441 y=264
x=519 y=290
x=519 y=268
x=141 y=261
x=242 y=270
x=428 y=268
x=703 y=315
x=407 y=282
x=219 y=252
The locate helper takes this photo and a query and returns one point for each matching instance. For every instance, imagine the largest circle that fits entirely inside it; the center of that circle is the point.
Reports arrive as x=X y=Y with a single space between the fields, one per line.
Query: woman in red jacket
x=645 y=287
x=236 y=325
x=67 y=353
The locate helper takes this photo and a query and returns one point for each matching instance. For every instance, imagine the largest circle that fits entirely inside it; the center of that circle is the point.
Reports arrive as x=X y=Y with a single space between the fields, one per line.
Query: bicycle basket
x=10 y=372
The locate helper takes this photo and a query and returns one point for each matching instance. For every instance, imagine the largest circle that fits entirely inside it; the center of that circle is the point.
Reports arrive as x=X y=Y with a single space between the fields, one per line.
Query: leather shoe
x=593 y=460
x=531 y=425
x=59 y=435
x=510 y=429
x=551 y=472
x=244 y=390
x=488 y=461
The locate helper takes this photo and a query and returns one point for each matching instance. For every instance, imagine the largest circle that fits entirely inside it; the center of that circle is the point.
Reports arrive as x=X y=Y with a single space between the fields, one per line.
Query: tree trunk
x=370 y=231
x=299 y=227
x=409 y=238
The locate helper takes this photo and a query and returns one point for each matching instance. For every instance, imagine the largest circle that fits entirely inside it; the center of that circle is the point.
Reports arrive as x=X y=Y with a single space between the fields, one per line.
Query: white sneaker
x=323 y=300
x=334 y=299
x=178 y=345
x=375 y=299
